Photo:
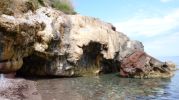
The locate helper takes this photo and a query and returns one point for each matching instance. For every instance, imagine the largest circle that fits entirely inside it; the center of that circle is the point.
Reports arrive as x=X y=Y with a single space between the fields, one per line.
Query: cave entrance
x=89 y=62
x=110 y=66
x=93 y=61
x=91 y=53
x=33 y=66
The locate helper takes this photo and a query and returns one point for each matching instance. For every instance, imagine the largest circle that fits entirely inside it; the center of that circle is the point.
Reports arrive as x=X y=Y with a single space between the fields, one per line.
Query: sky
x=153 y=22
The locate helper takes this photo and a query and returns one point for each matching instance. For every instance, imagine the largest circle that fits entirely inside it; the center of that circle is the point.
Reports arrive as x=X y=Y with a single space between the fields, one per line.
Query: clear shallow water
x=109 y=87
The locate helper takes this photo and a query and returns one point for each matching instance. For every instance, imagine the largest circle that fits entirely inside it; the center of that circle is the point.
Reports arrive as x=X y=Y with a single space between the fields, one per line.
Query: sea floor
x=109 y=87
x=104 y=87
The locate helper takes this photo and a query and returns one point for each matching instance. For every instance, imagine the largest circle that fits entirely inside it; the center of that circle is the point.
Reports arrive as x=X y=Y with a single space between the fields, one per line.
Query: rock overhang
x=59 y=39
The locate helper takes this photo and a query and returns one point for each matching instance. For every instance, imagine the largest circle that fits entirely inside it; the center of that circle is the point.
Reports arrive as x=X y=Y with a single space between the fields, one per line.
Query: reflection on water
x=3 y=81
x=109 y=87
x=1 y=77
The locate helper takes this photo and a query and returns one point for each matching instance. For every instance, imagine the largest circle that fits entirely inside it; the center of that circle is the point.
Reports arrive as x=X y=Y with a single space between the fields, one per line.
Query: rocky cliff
x=48 y=42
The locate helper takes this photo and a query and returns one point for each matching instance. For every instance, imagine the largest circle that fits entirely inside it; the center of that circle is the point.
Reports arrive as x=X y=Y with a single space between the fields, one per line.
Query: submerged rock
x=49 y=42
x=18 y=89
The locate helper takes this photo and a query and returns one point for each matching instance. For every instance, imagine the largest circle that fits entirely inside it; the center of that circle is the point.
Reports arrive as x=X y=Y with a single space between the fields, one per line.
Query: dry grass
x=64 y=6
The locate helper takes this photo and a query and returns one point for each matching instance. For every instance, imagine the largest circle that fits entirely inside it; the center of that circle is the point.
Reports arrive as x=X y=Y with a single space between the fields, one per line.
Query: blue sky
x=153 y=22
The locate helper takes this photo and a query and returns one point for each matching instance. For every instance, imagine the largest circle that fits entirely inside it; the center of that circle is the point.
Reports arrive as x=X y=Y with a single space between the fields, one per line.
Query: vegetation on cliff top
x=11 y=7
x=62 y=5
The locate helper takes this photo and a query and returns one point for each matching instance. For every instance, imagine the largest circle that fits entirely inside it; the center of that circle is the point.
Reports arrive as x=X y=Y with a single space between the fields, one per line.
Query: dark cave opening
x=91 y=53
x=33 y=66
x=110 y=66
x=92 y=57
x=91 y=60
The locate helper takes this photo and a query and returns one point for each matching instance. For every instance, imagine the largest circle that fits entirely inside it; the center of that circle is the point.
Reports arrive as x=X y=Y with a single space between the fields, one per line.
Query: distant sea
x=174 y=59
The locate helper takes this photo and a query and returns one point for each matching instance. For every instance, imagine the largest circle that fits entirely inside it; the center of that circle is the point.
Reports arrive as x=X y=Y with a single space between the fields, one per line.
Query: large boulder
x=141 y=65
x=49 y=42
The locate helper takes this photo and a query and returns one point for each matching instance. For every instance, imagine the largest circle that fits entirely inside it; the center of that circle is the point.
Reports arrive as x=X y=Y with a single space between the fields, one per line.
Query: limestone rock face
x=49 y=42
x=17 y=7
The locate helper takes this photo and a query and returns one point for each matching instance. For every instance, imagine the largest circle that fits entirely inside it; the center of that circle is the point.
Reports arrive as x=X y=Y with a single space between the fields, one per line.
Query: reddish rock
x=139 y=63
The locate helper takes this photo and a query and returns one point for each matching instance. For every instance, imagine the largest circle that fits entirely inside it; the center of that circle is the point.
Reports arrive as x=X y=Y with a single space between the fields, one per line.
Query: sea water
x=109 y=87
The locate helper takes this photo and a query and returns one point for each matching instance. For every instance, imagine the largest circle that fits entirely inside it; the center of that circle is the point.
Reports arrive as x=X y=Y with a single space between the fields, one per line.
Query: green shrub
x=64 y=6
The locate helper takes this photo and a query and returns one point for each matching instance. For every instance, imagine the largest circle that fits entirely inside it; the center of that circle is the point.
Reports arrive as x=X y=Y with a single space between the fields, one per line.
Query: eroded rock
x=49 y=42
x=141 y=65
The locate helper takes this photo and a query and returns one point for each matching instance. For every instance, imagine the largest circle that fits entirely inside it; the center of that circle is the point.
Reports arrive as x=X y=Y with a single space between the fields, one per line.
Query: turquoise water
x=109 y=87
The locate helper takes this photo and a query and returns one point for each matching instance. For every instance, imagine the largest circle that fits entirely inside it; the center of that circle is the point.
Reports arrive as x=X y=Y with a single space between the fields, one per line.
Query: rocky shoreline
x=18 y=89
x=45 y=41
